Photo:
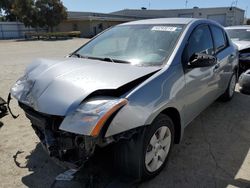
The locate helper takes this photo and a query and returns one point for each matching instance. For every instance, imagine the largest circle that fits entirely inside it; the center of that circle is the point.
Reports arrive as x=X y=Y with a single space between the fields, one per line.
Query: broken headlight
x=90 y=116
x=22 y=88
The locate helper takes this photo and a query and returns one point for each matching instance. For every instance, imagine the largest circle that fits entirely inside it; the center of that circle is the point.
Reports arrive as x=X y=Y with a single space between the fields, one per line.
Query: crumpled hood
x=242 y=44
x=61 y=85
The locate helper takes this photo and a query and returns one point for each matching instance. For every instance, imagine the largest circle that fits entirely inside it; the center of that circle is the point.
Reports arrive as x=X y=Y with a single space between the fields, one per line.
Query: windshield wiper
x=109 y=59
x=85 y=57
x=116 y=60
x=78 y=55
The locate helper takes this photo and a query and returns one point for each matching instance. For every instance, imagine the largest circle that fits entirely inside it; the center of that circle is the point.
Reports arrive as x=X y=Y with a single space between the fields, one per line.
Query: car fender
x=145 y=103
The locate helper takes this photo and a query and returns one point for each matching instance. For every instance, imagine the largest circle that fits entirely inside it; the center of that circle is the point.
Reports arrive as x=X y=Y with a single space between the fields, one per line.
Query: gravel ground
x=215 y=151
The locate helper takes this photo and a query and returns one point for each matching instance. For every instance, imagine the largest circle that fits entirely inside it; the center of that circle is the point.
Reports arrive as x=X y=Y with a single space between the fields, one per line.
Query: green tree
x=35 y=13
x=6 y=6
x=50 y=13
x=26 y=12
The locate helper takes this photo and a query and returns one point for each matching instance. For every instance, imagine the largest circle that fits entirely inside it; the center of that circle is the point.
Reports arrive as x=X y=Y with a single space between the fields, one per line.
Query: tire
x=229 y=93
x=146 y=154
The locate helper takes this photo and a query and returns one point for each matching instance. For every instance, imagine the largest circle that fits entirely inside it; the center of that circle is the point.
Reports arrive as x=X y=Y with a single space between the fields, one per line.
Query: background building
x=90 y=23
x=226 y=16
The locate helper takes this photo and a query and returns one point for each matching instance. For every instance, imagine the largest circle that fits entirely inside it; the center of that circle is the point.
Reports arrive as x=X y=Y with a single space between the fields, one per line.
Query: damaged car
x=136 y=85
x=240 y=35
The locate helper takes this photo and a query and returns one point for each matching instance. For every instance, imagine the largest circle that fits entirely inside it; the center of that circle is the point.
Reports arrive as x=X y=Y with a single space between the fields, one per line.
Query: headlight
x=90 y=117
x=21 y=88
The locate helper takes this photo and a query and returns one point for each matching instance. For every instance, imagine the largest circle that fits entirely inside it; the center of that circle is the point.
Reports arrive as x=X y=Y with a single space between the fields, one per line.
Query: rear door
x=225 y=57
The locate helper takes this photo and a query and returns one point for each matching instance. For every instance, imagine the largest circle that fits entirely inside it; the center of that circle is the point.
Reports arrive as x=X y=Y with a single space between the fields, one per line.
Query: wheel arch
x=236 y=71
x=174 y=114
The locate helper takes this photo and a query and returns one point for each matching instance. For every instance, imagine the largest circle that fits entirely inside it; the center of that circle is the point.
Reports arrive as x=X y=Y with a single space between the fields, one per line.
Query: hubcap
x=232 y=86
x=157 y=149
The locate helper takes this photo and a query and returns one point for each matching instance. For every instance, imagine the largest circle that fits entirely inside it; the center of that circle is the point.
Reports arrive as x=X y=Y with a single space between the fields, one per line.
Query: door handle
x=232 y=56
x=216 y=67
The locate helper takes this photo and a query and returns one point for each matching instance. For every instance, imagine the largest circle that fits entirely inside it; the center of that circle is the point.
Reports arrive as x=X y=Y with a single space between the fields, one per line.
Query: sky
x=106 y=6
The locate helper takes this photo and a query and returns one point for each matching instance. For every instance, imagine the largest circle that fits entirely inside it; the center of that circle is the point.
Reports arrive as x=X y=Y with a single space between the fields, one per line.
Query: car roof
x=184 y=21
x=239 y=27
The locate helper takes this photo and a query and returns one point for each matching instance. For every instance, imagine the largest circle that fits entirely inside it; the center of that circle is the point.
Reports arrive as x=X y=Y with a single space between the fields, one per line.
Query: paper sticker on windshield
x=163 y=28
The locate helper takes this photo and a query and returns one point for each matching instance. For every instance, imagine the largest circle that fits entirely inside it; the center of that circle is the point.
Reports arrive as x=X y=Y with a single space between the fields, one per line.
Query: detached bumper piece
x=71 y=149
x=3 y=108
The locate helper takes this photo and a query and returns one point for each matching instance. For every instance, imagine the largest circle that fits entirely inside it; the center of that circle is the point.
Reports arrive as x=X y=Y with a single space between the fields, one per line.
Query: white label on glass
x=163 y=28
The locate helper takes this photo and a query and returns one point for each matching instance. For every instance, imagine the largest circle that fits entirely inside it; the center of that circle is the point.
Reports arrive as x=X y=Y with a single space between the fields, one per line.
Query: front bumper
x=69 y=149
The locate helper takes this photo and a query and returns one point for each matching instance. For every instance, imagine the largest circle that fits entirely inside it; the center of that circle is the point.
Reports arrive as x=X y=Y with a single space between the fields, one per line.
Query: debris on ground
x=18 y=164
x=98 y=172
x=3 y=108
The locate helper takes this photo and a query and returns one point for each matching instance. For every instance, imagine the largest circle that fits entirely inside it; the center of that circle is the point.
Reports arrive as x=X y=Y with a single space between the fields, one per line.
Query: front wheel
x=157 y=149
x=146 y=155
x=229 y=93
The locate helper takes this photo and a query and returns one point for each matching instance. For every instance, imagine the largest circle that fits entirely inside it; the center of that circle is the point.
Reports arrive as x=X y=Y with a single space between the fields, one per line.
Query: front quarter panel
x=147 y=101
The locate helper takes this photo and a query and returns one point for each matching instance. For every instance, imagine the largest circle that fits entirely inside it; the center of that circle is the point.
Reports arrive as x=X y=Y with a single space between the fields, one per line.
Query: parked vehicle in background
x=240 y=35
x=244 y=82
x=137 y=85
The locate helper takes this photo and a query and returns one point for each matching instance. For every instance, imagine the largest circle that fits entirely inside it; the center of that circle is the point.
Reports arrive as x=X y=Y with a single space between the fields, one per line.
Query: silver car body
x=58 y=87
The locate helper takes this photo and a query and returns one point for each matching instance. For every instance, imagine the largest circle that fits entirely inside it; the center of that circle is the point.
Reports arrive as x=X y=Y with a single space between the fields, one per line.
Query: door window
x=200 y=41
x=219 y=38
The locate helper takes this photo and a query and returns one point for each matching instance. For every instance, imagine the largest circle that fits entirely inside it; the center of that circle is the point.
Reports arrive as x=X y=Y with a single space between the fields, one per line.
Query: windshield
x=239 y=34
x=142 y=45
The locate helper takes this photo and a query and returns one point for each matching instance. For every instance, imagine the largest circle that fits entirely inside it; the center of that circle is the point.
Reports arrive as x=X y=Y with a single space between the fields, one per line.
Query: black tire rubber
x=130 y=155
x=225 y=97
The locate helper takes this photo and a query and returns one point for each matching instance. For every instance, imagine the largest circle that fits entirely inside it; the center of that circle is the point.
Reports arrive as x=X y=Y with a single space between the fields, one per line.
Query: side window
x=219 y=38
x=200 y=41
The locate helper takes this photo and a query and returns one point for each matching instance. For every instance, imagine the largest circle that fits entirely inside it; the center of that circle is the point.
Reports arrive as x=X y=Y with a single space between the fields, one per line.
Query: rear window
x=220 y=41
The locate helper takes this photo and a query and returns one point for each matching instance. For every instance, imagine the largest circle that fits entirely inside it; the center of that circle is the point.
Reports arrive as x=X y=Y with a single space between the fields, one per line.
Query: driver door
x=199 y=91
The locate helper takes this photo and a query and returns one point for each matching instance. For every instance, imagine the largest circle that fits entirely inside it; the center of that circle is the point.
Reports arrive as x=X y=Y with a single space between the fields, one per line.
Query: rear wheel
x=229 y=93
x=145 y=155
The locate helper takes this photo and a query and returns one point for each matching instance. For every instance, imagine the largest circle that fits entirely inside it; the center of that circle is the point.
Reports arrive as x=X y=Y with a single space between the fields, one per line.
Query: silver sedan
x=136 y=85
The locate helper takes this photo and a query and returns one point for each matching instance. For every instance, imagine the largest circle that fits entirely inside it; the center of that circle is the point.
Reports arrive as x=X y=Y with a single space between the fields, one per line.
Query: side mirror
x=201 y=60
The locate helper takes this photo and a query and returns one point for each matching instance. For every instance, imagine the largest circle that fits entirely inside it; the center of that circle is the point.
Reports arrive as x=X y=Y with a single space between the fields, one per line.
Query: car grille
x=42 y=120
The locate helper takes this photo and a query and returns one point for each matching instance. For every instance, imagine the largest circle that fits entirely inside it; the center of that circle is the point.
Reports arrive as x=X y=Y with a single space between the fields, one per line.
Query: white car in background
x=240 y=35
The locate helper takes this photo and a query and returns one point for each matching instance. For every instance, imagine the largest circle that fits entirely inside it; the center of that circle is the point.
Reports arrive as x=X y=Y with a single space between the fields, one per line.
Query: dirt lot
x=215 y=151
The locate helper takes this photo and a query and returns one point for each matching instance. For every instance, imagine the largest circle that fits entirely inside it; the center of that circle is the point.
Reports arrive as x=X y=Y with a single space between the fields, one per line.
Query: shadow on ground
x=211 y=154
x=43 y=169
x=1 y=124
